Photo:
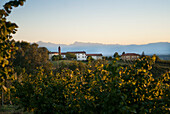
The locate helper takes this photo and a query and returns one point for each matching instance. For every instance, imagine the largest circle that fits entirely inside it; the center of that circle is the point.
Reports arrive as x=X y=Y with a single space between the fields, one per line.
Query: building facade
x=95 y=56
x=80 y=55
x=130 y=56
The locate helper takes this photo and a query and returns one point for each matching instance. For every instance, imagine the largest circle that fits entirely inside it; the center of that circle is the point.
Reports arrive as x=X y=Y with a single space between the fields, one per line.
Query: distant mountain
x=160 y=48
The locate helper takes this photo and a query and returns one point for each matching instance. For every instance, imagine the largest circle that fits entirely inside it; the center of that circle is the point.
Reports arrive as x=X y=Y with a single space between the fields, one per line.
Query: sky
x=95 y=21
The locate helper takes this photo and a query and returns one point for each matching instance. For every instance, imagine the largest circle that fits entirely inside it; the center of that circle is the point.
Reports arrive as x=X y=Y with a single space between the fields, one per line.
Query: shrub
x=100 y=88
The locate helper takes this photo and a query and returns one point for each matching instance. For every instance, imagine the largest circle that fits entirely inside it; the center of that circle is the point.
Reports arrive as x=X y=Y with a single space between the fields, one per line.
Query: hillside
x=160 y=48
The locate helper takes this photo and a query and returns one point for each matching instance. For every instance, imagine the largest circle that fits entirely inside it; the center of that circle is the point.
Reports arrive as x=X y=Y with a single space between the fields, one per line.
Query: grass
x=60 y=61
x=67 y=62
x=11 y=109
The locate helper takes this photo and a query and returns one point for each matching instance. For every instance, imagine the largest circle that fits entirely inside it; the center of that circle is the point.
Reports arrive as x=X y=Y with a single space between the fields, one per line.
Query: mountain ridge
x=77 y=42
x=109 y=49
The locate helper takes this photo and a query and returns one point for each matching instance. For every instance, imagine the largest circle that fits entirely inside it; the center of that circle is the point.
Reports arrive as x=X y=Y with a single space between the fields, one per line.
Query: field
x=99 y=86
x=158 y=68
x=164 y=57
x=11 y=109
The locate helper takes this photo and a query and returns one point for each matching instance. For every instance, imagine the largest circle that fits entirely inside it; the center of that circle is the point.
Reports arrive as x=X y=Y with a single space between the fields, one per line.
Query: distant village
x=83 y=56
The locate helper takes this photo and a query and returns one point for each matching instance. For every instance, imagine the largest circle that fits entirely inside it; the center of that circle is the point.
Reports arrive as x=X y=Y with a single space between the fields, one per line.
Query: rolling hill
x=159 y=48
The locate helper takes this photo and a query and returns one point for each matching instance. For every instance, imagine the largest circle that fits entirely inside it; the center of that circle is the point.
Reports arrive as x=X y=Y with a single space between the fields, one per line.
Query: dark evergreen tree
x=116 y=55
x=143 y=54
x=70 y=56
x=123 y=53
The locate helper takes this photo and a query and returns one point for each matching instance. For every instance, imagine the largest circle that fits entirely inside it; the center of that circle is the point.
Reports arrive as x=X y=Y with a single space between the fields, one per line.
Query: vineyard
x=31 y=83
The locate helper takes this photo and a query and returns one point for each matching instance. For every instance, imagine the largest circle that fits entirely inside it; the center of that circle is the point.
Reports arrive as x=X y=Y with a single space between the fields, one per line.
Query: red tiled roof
x=77 y=52
x=63 y=53
x=94 y=55
x=67 y=52
x=53 y=52
x=130 y=54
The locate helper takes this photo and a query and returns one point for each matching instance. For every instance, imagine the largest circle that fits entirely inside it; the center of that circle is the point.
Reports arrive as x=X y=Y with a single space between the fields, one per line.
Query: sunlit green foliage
x=56 y=57
x=7 y=46
x=100 y=88
x=29 y=56
x=70 y=56
x=144 y=93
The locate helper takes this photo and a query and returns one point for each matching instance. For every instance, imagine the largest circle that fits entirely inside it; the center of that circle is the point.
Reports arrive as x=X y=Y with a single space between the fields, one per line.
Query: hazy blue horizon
x=95 y=43
x=162 y=48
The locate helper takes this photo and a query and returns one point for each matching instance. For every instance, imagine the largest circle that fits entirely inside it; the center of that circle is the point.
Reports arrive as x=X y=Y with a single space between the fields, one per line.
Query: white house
x=95 y=56
x=80 y=55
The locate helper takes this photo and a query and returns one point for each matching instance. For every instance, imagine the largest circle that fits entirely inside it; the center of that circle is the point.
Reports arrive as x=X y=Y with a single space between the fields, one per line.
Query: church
x=80 y=55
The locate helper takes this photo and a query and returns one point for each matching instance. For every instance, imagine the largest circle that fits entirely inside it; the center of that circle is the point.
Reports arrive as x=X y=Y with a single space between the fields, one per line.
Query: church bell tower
x=59 y=50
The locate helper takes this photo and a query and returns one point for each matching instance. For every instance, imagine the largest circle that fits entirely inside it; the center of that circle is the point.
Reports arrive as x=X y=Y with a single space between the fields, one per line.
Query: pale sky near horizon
x=96 y=21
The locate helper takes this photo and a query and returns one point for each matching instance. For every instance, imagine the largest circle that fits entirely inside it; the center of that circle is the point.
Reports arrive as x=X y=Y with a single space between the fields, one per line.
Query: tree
x=7 y=46
x=155 y=58
x=109 y=58
x=70 y=56
x=56 y=57
x=103 y=58
x=143 y=93
x=116 y=55
x=29 y=56
x=143 y=54
x=89 y=58
x=100 y=88
x=123 y=53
